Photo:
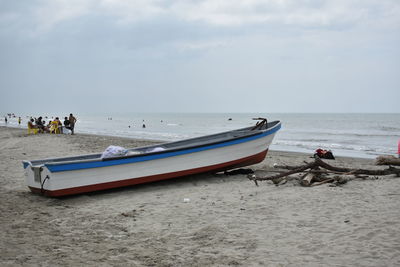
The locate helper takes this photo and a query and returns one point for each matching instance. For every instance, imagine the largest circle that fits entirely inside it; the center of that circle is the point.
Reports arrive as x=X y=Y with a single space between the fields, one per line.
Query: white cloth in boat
x=117 y=151
x=155 y=149
x=114 y=151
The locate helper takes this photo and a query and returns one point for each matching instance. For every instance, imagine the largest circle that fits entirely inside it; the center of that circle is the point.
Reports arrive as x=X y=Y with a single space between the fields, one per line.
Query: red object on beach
x=324 y=154
x=398 y=148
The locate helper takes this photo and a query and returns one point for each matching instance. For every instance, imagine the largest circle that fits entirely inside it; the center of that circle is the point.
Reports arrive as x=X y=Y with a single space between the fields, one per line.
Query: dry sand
x=228 y=220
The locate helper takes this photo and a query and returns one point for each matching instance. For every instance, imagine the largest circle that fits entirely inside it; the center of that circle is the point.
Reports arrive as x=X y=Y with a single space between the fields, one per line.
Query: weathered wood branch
x=324 y=182
x=387 y=160
x=388 y=171
x=273 y=177
x=307 y=180
x=313 y=171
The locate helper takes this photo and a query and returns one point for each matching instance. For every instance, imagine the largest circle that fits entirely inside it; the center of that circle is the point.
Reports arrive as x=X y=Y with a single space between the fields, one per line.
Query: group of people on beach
x=53 y=126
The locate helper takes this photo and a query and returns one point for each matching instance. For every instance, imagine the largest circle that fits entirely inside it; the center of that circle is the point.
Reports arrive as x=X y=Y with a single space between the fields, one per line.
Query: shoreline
x=200 y=220
x=155 y=141
x=349 y=134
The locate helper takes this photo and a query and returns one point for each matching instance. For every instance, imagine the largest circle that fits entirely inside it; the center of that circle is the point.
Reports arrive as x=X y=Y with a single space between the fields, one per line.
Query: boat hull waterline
x=74 y=175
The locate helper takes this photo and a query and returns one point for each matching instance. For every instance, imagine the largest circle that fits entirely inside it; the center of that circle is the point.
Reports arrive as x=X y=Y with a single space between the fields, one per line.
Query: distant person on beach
x=19 y=120
x=5 y=119
x=40 y=125
x=56 y=126
x=31 y=125
x=67 y=123
x=60 y=125
x=72 y=121
x=44 y=128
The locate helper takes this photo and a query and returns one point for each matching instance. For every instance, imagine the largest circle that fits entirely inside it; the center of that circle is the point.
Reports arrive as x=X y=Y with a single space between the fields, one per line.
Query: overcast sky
x=199 y=56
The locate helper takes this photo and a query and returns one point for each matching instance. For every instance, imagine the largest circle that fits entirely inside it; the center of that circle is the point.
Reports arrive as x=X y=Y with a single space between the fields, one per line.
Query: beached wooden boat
x=211 y=153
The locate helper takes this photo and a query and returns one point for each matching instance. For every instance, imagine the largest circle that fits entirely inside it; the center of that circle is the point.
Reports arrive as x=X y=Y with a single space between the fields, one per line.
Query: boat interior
x=172 y=146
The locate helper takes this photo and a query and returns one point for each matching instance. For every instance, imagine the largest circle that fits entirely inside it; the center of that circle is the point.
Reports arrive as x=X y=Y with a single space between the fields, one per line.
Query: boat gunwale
x=184 y=147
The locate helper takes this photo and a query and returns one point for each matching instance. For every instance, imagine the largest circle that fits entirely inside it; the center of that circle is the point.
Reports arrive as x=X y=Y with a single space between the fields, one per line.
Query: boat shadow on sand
x=196 y=180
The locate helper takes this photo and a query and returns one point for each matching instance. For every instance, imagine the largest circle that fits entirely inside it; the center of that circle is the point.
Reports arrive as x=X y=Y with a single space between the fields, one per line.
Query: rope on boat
x=42 y=184
x=261 y=122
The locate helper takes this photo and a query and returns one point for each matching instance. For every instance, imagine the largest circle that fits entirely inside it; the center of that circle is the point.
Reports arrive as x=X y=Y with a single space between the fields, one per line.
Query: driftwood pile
x=319 y=172
x=387 y=160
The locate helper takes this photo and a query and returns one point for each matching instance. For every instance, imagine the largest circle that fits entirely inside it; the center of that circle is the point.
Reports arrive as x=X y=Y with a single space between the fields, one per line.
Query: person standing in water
x=19 y=120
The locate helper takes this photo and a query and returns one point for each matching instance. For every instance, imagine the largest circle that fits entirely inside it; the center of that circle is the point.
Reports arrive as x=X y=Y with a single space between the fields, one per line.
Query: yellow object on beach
x=54 y=128
x=32 y=130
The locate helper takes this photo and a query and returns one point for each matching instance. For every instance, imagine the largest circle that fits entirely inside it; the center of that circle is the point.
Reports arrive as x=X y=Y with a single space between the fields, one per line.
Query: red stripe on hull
x=257 y=158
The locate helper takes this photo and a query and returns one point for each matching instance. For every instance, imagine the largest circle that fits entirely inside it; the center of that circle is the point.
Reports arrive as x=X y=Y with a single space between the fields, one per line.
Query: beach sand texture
x=202 y=220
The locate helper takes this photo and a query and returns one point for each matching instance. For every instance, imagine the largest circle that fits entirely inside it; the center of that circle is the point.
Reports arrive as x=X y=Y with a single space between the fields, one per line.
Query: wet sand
x=227 y=220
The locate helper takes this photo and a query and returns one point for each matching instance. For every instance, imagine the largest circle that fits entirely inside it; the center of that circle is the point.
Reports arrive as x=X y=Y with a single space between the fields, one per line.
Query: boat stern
x=35 y=176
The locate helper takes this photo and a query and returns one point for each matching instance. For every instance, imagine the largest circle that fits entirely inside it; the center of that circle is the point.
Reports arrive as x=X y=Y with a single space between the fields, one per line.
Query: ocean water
x=358 y=135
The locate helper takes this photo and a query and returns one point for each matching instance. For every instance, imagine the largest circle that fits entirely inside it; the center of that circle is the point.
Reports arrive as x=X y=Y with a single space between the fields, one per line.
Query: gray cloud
x=201 y=55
